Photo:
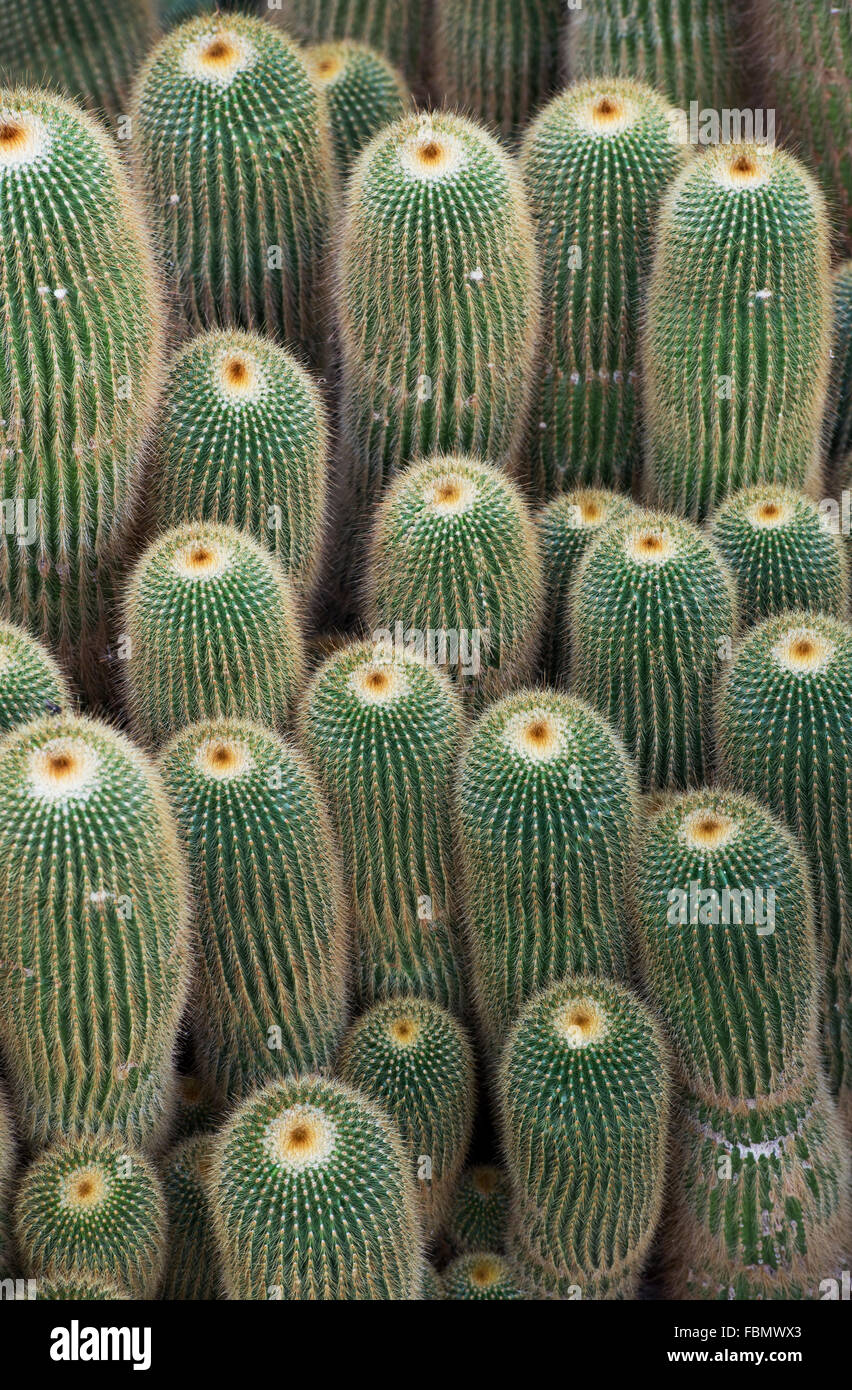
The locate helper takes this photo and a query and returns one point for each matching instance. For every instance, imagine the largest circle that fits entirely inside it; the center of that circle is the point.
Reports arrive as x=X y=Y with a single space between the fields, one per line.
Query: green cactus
x=80 y=1287
x=81 y=338
x=546 y=807
x=243 y=439
x=733 y=973
x=785 y=737
x=272 y=938
x=438 y=304
x=197 y=1110
x=192 y=1270
x=596 y=163
x=481 y=1276
x=213 y=632
x=31 y=683
x=584 y=1101
x=362 y=92
x=414 y=1060
x=383 y=730
x=478 y=1218
x=566 y=528
x=94 y=937
x=652 y=611
x=399 y=29
x=738 y=330
x=231 y=147
x=781 y=553
x=7 y=1167
x=91 y=1207
x=313 y=1198
x=83 y=49
x=454 y=552
x=498 y=59
x=839 y=418
x=433 y=1289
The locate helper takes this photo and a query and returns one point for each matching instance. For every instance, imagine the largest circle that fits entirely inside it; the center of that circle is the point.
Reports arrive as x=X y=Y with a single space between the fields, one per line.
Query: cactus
x=785 y=737
x=383 y=730
x=230 y=145
x=652 y=610
x=738 y=331
x=546 y=807
x=596 y=163
x=733 y=974
x=584 y=1103
x=313 y=1199
x=781 y=553
x=272 y=932
x=454 y=553
x=31 y=683
x=7 y=1167
x=478 y=1218
x=91 y=1207
x=432 y=1289
x=566 y=528
x=839 y=418
x=243 y=439
x=83 y=49
x=93 y=933
x=481 y=1276
x=192 y=1263
x=81 y=337
x=80 y=1288
x=399 y=29
x=197 y=1110
x=362 y=92
x=414 y=1060
x=498 y=59
x=438 y=304
x=213 y=631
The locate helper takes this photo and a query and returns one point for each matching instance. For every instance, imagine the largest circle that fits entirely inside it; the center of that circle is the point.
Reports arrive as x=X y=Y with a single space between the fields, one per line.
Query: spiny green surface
x=652 y=613
x=197 y=1110
x=415 y=1061
x=454 y=551
x=272 y=941
x=479 y=1213
x=243 y=439
x=93 y=933
x=781 y=553
x=231 y=147
x=362 y=93
x=213 y=631
x=596 y=163
x=90 y=1207
x=80 y=1288
x=529 y=1254
x=738 y=996
x=785 y=737
x=546 y=808
x=7 y=1164
x=481 y=1277
x=313 y=1198
x=432 y=1289
x=839 y=418
x=383 y=730
x=192 y=1263
x=400 y=29
x=31 y=683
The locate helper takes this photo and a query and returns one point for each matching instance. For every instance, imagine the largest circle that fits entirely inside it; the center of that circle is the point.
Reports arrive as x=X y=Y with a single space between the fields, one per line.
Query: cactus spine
x=596 y=163
x=396 y=28
x=31 y=683
x=546 y=805
x=313 y=1199
x=93 y=933
x=383 y=730
x=192 y=1263
x=479 y=1214
x=481 y=1276
x=738 y=331
x=652 y=611
x=213 y=632
x=362 y=92
x=839 y=418
x=272 y=933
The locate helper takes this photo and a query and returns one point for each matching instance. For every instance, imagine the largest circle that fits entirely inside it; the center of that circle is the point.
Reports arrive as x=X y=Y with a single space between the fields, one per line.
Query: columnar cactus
x=383 y=730
x=80 y=330
x=362 y=92
x=481 y=1276
x=231 y=146
x=652 y=612
x=596 y=163
x=454 y=553
x=736 y=346
x=192 y=1262
x=92 y=1207
x=780 y=553
x=213 y=631
x=414 y=1060
x=438 y=303
x=243 y=439
x=399 y=29
x=546 y=807
x=31 y=683
x=313 y=1198
x=785 y=737
x=479 y=1213
x=584 y=1103
x=272 y=933
x=839 y=418
x=93 y=933
x=498 y=59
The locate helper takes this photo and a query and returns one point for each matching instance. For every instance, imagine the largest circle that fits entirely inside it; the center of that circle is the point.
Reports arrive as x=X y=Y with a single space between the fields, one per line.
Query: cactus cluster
x=399 y=29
